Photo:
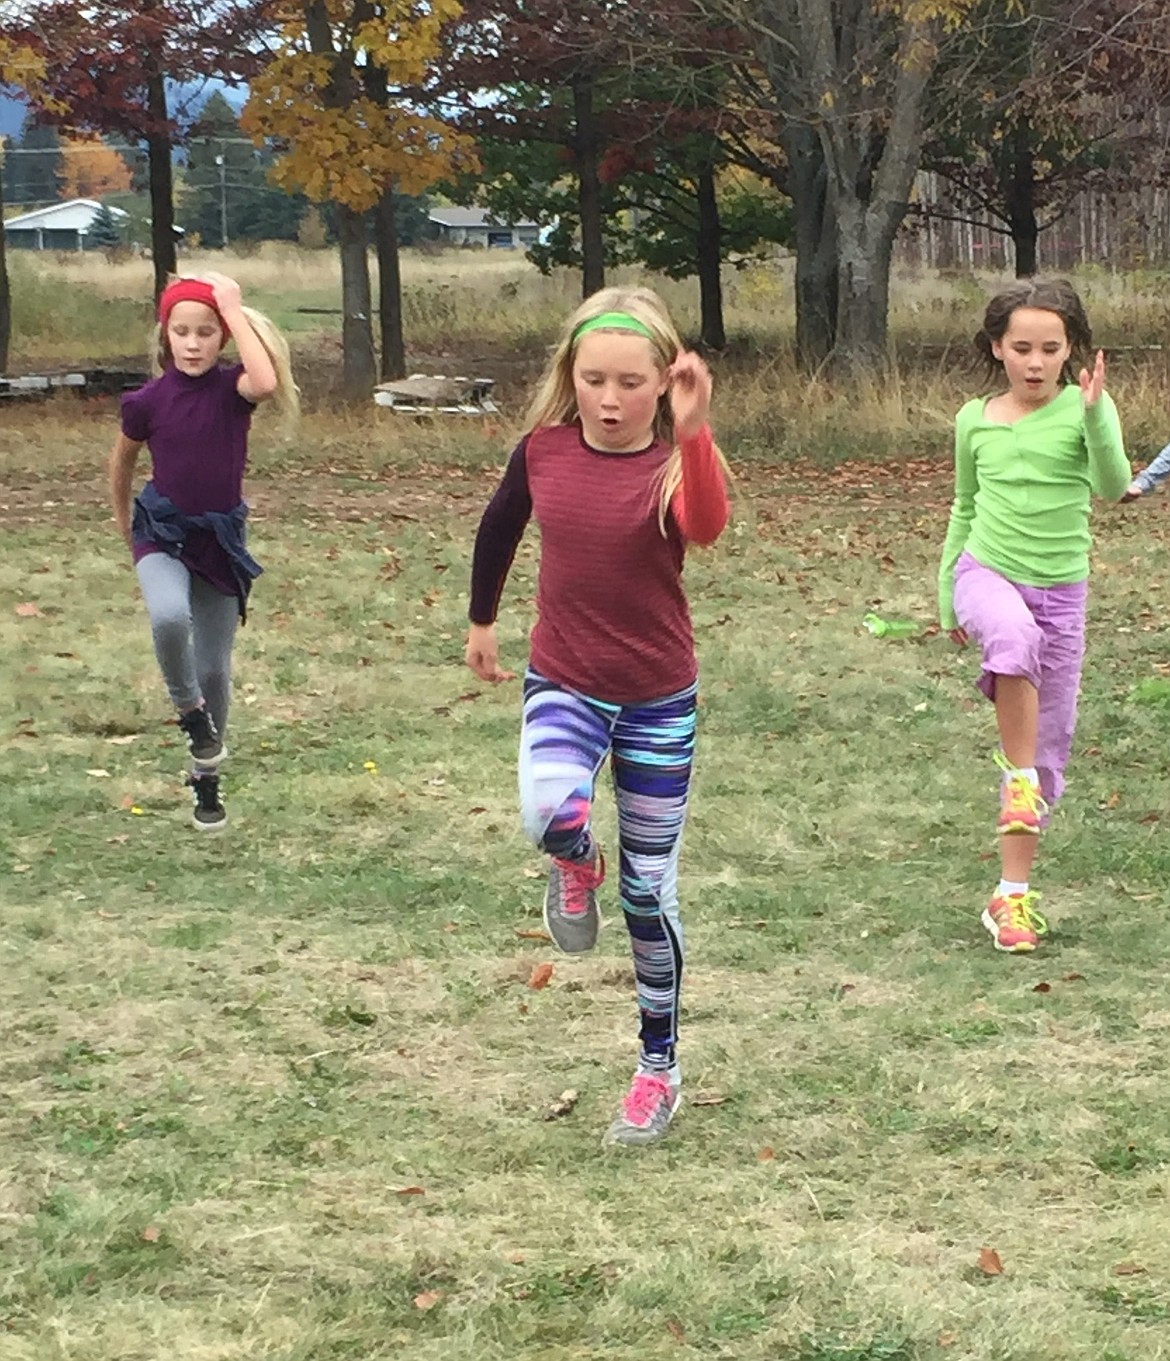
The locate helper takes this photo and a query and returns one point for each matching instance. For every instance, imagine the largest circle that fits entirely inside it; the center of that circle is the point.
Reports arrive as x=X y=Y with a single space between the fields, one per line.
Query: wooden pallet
x=435 y=395
x=95 y=382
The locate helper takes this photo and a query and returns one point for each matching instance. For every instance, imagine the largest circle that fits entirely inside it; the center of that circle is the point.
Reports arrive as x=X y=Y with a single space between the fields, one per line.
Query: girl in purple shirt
x=186 y=526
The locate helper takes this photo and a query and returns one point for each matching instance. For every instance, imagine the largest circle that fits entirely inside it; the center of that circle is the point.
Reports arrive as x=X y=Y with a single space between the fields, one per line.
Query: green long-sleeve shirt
x=1022 y=491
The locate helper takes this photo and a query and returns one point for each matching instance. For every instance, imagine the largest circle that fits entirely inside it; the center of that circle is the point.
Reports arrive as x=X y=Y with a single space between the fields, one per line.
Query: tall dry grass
x=492 y=312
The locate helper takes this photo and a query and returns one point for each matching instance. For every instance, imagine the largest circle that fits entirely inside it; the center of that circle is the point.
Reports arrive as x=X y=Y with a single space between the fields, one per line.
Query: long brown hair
x=1049 y=295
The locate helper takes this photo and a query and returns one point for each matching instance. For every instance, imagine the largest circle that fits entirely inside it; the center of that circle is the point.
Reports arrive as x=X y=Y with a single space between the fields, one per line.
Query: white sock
x=1029 y=771
x=1007 y=889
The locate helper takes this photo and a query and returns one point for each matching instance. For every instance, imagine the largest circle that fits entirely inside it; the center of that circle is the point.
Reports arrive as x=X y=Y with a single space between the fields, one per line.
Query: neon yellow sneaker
x=1014 y=923
x=1021 y=807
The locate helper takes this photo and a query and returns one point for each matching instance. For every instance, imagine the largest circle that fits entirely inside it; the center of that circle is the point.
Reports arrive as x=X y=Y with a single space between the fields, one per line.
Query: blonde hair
x=555 y=402
x=286 y=400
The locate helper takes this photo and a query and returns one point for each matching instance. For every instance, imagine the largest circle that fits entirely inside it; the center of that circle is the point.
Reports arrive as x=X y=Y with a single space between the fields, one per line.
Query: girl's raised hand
x=959 y=637
x=690 y=393
x=1093 y=384
x=227 y=291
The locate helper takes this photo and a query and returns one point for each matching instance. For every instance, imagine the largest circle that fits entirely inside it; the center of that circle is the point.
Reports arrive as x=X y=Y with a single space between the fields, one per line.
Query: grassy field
x=281 y=1093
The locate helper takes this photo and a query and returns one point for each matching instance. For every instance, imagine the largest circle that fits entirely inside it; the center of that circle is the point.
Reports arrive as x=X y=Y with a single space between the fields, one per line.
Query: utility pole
x=221 y=161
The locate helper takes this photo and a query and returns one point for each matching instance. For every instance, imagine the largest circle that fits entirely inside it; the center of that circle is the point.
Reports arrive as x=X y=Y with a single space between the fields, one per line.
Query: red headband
x=190 y=290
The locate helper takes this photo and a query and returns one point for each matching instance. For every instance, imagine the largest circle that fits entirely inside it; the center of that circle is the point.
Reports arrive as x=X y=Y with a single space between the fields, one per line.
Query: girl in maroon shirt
x=186 y=526
x=620 y=472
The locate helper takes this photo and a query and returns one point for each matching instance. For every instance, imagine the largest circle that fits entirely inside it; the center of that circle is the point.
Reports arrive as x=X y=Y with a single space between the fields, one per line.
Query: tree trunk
x=357 y=332
x=814 y=225
x=1020 y=193
x=588 y=188
x=393 y=363
x=162 y=203
x=709 y=259
x=5 y=288
x=865 y=245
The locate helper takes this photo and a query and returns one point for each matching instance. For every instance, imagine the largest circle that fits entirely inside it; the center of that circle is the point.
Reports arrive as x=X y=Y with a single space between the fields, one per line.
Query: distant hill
x=189 y=98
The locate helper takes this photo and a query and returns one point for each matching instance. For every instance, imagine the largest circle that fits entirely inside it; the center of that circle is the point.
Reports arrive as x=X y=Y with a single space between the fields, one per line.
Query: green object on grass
x=1152 y=690
x=889 y=628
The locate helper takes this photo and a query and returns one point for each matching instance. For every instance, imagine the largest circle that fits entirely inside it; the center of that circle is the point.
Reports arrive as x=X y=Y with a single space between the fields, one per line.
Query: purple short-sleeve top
x=197 y=432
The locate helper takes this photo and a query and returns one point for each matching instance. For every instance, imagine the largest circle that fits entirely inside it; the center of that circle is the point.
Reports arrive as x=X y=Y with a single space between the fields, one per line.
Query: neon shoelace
x=645 y=1095
x=1023 y=798
x=578 y=879
x=1021 y=913
x=1021 y=795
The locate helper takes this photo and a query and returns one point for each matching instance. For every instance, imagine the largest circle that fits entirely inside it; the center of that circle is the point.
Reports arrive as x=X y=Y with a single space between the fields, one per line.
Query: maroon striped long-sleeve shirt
x=612 y=616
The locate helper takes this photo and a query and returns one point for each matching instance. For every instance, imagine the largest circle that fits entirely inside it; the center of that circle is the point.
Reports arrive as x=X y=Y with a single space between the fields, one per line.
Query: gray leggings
x=194 y=626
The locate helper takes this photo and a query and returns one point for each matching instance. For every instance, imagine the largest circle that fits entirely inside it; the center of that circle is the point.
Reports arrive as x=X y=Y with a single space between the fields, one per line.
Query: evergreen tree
x=10 y=184
x=105 y=231
x=39 y=165
x=227 y=185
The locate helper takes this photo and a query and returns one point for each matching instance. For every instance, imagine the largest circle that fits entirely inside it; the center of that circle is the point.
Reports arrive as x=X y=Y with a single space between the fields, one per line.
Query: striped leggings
x=564 y=742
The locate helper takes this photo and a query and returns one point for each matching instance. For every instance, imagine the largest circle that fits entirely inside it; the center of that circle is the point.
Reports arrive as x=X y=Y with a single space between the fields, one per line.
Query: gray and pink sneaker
x=571 y=915
x=647 y=1109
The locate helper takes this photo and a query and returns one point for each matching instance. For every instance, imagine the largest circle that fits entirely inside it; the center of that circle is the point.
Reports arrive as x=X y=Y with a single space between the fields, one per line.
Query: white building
x=477 y=227
x=61 y=226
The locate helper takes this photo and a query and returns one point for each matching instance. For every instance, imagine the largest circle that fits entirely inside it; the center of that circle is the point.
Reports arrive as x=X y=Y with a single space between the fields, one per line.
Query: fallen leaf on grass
x=1073 y=978
x=709 y=1099
x=676 y=1330
x=1129 y=1269
x=409 y=1191
x=1042 y=987
x=28 y=611
x=108 y=916
x=124 y=740
x=21 y=869
x=947 y=1339
x=151 y=1234
x=516 y=1258
x=562 y=1105
x=428 y=1299
x=540 y=976
x=766 y=1154
x=99 y=774
x=532 y=933
x=530 y=873
x=989 y=1262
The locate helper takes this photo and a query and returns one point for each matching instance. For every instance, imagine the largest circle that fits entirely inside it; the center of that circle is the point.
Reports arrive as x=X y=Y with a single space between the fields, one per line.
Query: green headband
x=618 y=321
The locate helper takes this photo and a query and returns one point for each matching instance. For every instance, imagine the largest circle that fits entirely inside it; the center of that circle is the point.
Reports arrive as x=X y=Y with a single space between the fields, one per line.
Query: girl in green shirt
x=1015 y=564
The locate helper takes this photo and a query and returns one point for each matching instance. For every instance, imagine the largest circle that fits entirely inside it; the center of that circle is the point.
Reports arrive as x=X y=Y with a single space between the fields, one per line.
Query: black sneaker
x=209 y=814
x=203 y=740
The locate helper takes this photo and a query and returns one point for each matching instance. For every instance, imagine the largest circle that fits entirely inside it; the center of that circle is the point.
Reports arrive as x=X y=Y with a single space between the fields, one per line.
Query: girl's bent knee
x=170 y=629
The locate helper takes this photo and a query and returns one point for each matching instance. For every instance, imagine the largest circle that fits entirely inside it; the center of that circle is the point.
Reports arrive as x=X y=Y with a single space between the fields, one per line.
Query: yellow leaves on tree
x=18 y=64
x=92 y=170
x=331 y=98
x=24 y=68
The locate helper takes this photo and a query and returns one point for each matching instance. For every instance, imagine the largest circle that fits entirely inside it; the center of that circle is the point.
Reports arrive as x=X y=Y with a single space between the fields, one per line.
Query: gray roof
x=472 y=217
